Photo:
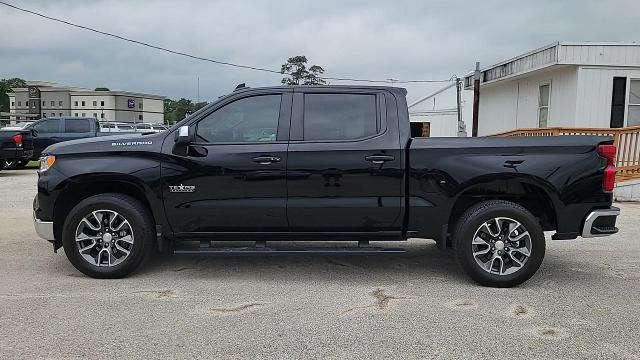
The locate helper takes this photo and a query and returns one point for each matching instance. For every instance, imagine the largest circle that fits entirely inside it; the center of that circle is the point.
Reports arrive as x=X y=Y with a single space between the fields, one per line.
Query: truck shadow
x=422 y=260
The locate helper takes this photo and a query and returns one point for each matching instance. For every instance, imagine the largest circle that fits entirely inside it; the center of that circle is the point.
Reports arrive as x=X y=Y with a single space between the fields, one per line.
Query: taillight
x=17 y=139
x=609 y=180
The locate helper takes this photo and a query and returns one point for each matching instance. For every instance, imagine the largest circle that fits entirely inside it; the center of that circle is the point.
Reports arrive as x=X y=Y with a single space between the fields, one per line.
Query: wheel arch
x=535 y=195
x=81 y=188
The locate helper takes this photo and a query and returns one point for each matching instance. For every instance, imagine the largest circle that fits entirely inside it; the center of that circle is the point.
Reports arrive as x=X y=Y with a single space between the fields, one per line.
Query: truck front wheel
x=499 y=243
x=108 y=236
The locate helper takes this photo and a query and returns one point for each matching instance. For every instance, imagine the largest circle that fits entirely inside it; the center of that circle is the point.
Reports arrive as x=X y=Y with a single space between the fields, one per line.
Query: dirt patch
x=341 y=264
x=549 y=332
x=236 y=309
x=158 y=294
x=381 y=301
x=521 y=311
x=464 y=304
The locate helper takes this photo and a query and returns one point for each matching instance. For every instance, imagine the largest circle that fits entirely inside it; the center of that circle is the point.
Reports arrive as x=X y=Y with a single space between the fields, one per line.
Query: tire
x=475 y=233
x=138 y=226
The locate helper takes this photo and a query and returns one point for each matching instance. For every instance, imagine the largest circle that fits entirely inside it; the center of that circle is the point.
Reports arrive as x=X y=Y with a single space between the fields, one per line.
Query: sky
x=404 y=40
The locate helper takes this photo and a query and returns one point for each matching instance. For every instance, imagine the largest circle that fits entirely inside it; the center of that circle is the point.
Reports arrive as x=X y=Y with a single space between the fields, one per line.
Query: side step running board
x=261 y=249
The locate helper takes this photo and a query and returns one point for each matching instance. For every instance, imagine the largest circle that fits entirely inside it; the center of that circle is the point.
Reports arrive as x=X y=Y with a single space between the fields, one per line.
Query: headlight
x=46 y=162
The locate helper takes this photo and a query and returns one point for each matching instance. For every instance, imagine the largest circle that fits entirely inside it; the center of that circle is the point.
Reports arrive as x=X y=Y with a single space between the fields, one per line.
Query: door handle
x=266 y=160
x=379 y=159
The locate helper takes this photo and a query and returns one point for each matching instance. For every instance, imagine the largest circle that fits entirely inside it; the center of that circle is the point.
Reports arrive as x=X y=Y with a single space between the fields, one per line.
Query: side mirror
x=183 y=138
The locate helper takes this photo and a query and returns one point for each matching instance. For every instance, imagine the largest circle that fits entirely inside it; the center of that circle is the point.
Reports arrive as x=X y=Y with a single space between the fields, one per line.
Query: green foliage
x=101 y=89
x=174 y=111
x=5 y=86
x=298 y=74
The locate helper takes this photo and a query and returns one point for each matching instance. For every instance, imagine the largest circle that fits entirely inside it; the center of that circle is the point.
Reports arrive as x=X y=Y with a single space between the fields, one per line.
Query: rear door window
x=339 y=116
x=75 y=126
x=48 y=126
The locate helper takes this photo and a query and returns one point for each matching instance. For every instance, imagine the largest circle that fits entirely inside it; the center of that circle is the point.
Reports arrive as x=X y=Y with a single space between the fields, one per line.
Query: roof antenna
x=240 y=86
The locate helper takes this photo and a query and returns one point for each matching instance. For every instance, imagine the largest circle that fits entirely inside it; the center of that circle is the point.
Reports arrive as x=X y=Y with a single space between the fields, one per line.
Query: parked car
x=18 y=126
x=53 y=130
x=330 y=163
x=117 y=127
x=16 y=147
x=146 y=127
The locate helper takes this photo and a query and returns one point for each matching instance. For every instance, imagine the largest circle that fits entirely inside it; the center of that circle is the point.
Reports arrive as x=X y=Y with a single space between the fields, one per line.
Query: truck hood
x=125 y=142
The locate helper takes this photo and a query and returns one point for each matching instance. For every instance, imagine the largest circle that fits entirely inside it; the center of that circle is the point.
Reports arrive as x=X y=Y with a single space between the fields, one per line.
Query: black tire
x=134 y=212
x=473 y=219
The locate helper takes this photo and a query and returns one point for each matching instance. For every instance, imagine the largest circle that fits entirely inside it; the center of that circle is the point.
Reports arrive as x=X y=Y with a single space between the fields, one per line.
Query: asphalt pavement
x=583 y=303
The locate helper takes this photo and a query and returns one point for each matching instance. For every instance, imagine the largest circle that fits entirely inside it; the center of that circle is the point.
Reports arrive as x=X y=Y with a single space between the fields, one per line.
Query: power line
x=175 y=52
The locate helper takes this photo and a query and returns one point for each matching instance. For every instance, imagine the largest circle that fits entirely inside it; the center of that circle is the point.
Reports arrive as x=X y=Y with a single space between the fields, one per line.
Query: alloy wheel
x=501 y=246
x=104 y=238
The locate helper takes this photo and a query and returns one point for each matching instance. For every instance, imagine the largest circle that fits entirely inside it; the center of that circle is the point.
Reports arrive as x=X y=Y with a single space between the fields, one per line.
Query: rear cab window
x=48 y=126
x=76 y=126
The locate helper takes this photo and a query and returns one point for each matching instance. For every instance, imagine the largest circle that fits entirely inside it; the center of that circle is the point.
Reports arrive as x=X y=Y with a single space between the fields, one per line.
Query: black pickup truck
x=53 y=130
x=320 y=163
x=15 y=146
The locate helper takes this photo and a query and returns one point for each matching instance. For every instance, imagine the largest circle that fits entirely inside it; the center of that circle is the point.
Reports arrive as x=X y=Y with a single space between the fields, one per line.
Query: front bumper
x=600 y=222
x=44 y=229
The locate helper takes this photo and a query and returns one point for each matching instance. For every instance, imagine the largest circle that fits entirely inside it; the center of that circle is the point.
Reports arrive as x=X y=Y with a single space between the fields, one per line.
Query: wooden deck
x=627 y=140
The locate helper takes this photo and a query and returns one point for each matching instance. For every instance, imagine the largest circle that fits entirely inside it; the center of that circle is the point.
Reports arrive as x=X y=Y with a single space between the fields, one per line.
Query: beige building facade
x=53 y=100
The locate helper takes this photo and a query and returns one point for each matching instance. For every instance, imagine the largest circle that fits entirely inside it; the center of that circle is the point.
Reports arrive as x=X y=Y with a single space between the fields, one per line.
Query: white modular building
x=565 y=84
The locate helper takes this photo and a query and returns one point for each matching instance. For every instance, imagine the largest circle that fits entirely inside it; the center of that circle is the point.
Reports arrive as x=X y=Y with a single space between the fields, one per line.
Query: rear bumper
x=600 y=222
x=16 y=153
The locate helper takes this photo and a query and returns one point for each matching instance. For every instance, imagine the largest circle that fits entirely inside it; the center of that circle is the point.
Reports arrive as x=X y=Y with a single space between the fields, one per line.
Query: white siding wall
x=595 y=86
x=511 y=104
x=610 y=55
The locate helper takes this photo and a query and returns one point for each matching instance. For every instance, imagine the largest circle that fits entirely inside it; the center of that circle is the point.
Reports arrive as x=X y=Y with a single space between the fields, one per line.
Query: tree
x=298 y=74
x=5 y=87
x=174 y=111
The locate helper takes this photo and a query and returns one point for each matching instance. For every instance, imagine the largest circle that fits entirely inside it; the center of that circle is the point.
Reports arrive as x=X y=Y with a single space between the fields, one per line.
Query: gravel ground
x=583 y=303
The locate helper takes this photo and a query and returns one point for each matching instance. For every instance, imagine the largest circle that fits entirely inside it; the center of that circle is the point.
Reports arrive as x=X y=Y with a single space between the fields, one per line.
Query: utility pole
x=476 y=99
x=462 y=128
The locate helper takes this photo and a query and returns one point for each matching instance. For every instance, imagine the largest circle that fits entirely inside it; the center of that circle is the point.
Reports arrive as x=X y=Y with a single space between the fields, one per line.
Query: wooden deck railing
x=627 y=140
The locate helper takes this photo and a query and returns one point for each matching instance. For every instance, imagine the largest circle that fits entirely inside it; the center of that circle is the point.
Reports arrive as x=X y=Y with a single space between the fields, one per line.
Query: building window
x=102 y=116
x=13 y=103
x=75 y=103
x=102 y=103
x=140 y=105
x=95 y=115
x=633 y=115
x=82 y=103
x=76 y=114
x=60 y=104
x=84 y=114
x=544 y=95
x=44 y=103
x=44 y=115
x=53 y=103
x=60 y=114
x=19 y=103
x=140 y=117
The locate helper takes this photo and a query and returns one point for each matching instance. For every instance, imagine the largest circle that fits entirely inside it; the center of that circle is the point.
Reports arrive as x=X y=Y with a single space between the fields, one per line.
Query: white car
x=18 y=126
x=146 y=127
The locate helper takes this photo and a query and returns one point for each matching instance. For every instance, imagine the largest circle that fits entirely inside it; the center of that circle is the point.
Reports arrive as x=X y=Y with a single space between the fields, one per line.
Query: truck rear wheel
x=499 y=243
x=108 y=236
